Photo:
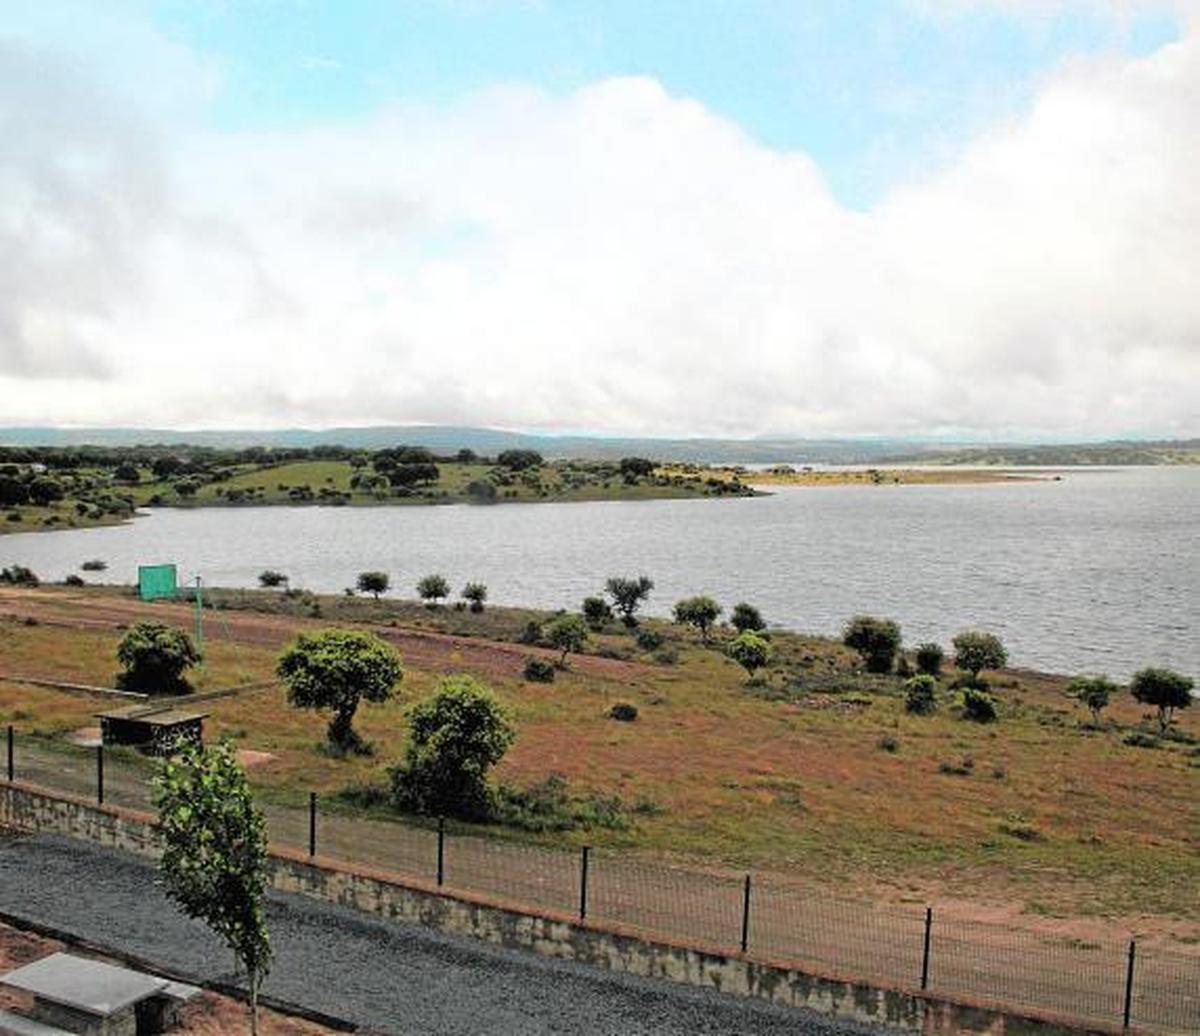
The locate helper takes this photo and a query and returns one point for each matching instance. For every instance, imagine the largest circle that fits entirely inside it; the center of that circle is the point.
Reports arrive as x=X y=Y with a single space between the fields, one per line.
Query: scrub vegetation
x=815 y=767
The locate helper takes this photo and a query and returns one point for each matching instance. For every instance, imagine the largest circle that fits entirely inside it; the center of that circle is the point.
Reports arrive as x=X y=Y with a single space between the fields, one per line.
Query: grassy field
x=815 y=771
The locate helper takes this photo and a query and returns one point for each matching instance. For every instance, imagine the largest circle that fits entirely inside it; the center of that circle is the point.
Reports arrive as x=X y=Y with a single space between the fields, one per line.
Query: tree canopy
x=975 y=651
x=154 y=657
x=457 y=735
x=373 y=583
x=700 y=612
x=628 y=594
x=1165 y=689
x=567 y=633
x=750 y=650
x=876 y=640
x=335 y=669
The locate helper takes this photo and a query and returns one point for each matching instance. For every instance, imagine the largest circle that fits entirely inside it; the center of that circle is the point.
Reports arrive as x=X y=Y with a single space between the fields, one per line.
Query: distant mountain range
x=767 y=450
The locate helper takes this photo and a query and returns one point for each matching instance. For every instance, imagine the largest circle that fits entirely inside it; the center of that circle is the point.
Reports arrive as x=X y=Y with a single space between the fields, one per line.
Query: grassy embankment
x=817 y=771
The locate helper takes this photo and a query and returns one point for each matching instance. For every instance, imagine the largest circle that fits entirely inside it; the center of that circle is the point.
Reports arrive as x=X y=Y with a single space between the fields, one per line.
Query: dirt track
x=423 y=649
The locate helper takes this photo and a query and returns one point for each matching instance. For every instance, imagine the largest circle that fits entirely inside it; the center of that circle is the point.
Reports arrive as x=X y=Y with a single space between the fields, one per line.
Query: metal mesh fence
x=903 y=948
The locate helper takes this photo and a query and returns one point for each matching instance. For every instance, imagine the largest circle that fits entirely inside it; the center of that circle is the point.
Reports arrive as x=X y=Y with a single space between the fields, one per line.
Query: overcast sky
x=975 y=218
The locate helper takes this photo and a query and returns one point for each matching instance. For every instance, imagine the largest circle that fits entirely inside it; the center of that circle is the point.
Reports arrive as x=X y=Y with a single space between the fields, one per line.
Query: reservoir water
x=1097 y=572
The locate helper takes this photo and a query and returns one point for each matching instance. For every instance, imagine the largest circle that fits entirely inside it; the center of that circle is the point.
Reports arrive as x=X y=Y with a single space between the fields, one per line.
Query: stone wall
x=29 y=808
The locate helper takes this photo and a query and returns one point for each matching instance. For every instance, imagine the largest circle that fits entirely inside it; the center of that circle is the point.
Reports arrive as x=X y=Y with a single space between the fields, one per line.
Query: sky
x=926 y=218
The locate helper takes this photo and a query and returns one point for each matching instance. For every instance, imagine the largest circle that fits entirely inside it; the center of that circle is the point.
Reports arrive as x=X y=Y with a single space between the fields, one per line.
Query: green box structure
x=156 y=581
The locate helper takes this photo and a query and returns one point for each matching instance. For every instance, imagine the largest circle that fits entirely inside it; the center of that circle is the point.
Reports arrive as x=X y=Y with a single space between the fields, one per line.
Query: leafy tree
x=519 y=460
x=466 y=456
x=1165 y=689
x=628 y=594
x=12 y=491
x=432 y=589
x=154 y=657
x=920 y=695
x=637 y=467
x=127 y=472
x=165 y=467
x=929 y=658
x=750 y=650
x=1092 y=691
x=45 y=490
x=747 y=617
x=876 y=640
x=187 y=487
x=334 y=669
x=457 y=734
x=975 y=651
x=373 y=583
x=567 y=633
x=596 y=612
x=270 y=579
x=411 y=474
x=214 y=861
x=700 y=612
x=476 y=593
x=481 y=491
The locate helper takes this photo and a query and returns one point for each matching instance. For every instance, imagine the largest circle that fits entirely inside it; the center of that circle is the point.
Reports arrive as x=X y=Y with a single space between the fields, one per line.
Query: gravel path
x=385 y=976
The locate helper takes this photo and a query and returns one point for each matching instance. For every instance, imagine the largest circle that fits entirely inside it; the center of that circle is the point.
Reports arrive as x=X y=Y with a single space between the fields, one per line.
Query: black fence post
x=10 y=754
x=925 y=951
x=583 y=876
x=746 y=915
x=100 y=774
x=441 y=860
x=1129 y=982
x=312 y=824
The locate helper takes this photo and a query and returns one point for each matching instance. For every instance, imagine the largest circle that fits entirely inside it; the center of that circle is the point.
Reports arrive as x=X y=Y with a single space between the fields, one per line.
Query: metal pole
x=312 y=824
x=746 y=915
x=1129 y=982
x=10 y=754
x=925 y=953
x=583 y=876
x=199 y=620
x=100 y=774
x=441 y=875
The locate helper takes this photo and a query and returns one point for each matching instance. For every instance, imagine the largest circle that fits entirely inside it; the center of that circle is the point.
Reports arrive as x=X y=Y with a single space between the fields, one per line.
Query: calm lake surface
x=1098 y=572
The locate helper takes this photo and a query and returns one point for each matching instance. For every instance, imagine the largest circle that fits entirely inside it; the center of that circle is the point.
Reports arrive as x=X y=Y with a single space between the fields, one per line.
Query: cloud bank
x=613 y=259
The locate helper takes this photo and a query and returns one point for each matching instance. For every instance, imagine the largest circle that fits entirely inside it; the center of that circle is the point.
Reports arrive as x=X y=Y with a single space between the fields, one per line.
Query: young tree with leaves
x=876 y=640
x=975 y=651
x=373 y=583
x=628 y=594
x=700 y=612
x=214 y=861
x=1092 y=691
x=334 y=669
x=750 y=650
x=432 y=589
x=1165 y=689
x=476 y=594
x=154 y=657
x=567 y=633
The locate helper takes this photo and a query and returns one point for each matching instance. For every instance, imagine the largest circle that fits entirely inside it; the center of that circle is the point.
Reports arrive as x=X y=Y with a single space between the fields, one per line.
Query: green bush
x=920 y=695
x=888 y=743
x=623 y=711
x=547 y=806
x=649 y=640
x=929 y=658
x=747 y=617
x=876 y=640
x=154 y=657
x=539 y=670
x=19 y=575
x=457 y=735
x=975 y=651
x=1140 y=739
x=596 y=612
x=978 y=706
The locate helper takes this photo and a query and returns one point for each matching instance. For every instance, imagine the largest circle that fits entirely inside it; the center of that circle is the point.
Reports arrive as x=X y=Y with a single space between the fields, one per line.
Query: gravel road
x=385 y=976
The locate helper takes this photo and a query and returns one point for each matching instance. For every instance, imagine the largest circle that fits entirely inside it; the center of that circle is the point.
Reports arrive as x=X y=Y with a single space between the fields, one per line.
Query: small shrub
x=929 y=658
x=596 y=612
x=667 y=656
x=964 y=768
x=920 y=695
x=19 y=575
x=94 y=565
x=876 y=640
x=623 y=711
x=73 y=580
x=978 y=706
x=747 y=617
x=539 y=670
x=887 y=743
x=1140 y=739
x=649 y=640
x=532 y=633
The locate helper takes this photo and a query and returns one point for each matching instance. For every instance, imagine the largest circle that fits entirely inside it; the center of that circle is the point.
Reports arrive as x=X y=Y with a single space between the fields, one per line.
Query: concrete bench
x=12 y=1024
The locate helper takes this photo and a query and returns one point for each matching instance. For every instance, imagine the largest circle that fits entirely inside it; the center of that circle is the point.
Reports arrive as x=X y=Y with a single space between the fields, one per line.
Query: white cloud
x=616 y=258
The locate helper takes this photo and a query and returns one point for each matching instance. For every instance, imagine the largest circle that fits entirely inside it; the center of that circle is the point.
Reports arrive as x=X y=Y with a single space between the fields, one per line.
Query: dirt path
x=423 y=649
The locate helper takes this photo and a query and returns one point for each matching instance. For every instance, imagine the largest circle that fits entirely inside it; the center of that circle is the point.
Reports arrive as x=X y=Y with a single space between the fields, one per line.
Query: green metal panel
x=155 y=581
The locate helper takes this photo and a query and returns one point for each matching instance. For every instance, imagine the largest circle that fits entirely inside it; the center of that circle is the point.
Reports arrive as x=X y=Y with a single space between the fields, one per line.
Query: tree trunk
x=254 y=1003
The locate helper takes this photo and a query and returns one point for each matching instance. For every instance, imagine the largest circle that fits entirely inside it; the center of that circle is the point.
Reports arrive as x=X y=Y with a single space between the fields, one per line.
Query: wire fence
x=1111 y=983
